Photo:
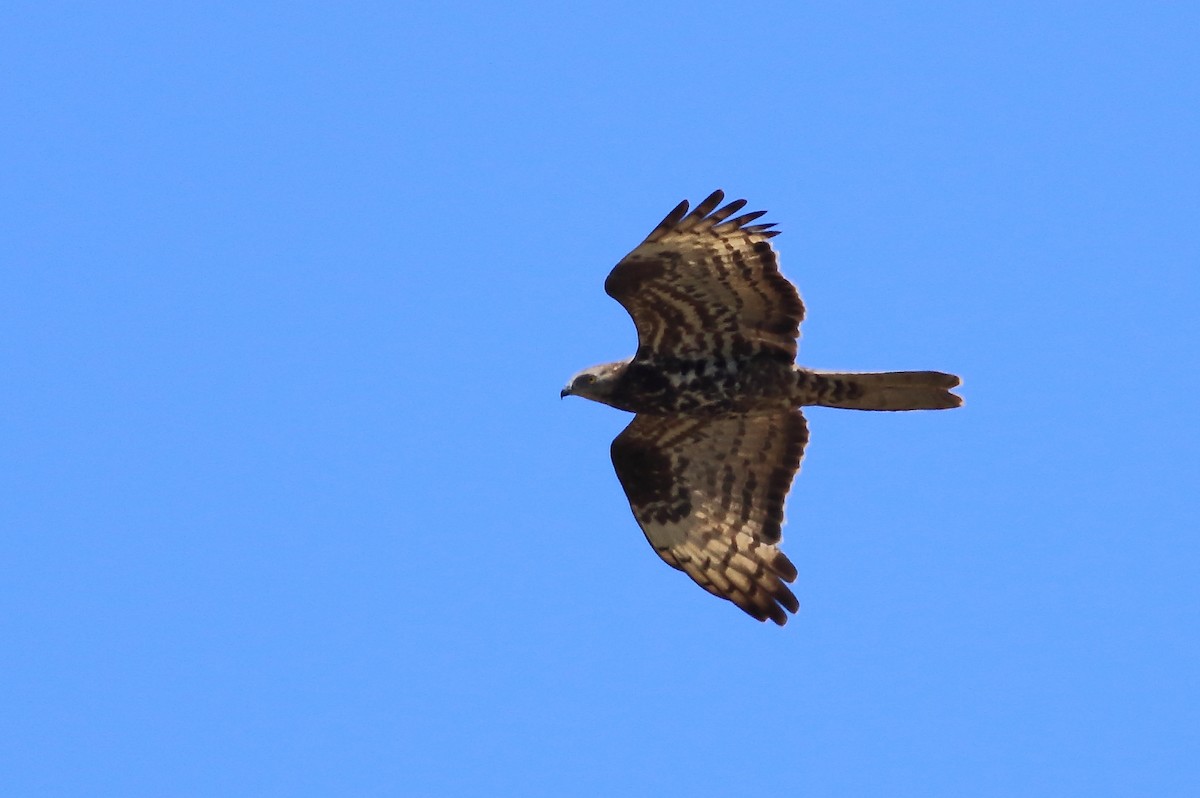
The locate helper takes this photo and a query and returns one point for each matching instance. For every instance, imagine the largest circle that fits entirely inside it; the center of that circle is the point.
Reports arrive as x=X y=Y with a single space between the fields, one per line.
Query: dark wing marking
x=709 y=493
x=703 y=284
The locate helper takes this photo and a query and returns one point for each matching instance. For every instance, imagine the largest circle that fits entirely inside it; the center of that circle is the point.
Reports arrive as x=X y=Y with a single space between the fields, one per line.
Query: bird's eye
x=589 y=379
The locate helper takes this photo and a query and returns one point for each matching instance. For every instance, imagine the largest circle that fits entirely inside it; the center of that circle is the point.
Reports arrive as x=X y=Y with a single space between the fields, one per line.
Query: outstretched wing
x=709 y=492
x=703 y=284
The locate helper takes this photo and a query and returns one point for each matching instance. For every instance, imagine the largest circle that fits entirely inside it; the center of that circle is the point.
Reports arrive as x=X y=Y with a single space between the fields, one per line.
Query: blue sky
x=291 y=505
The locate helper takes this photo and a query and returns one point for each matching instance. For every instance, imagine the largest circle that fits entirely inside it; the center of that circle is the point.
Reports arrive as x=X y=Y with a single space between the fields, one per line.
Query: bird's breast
x=705 y=386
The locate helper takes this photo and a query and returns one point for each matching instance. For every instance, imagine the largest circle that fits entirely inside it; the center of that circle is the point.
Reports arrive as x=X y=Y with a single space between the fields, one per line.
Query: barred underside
x=704 y=284
x=709 y=495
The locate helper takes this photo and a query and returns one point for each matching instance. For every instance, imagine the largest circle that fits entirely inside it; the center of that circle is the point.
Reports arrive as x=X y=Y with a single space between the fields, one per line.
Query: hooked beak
x=565 y=392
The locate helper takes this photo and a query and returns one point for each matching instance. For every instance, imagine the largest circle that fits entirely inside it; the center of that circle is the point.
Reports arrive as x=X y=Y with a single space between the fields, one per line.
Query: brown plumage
x=718 y=436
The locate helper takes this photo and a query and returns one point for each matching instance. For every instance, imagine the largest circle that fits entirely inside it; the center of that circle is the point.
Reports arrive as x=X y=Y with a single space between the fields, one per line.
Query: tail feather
x=890 y=390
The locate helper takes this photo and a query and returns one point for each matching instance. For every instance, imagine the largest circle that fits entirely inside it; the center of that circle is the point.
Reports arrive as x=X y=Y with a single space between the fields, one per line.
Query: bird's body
x=718 y=435
x=665 y=386
x=704 y=388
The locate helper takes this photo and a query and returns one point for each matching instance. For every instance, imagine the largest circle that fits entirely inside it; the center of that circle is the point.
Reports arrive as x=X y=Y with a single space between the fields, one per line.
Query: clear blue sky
x=291 y=506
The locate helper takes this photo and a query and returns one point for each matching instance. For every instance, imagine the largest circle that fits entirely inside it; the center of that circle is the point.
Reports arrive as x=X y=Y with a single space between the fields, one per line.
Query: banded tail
x=889 y=390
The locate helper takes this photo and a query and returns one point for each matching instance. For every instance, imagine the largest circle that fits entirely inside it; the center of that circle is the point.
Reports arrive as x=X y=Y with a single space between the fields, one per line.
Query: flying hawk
x=718 y=435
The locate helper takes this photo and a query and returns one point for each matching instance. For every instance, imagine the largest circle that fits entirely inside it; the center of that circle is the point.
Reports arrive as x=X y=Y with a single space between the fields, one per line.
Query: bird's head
x=597 y=382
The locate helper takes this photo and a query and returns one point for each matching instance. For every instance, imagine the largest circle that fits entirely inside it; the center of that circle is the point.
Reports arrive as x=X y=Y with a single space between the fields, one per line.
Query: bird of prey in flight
x=718 y=432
